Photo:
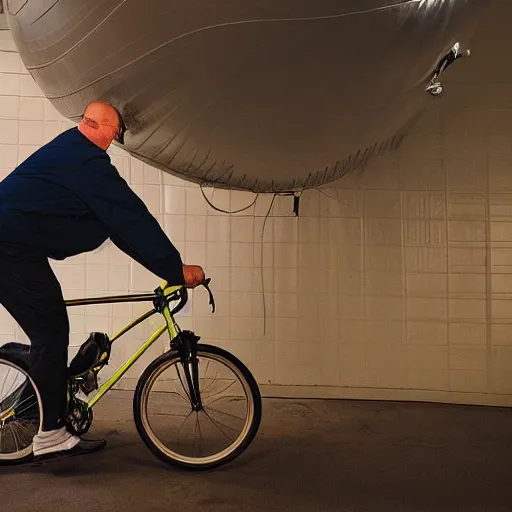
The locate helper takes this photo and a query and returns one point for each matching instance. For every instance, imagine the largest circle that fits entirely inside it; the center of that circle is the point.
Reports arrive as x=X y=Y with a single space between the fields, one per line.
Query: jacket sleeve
x=130 y=224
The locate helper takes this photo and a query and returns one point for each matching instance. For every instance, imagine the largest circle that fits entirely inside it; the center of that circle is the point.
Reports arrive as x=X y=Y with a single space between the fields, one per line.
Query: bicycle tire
x=141 y=421
x=26 y=454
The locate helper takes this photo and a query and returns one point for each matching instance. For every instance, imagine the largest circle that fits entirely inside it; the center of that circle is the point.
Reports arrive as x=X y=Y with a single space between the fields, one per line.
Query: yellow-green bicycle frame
x=170 y=326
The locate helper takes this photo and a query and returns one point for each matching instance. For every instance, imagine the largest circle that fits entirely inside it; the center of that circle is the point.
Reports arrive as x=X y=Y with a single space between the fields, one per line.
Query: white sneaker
x=53 y=441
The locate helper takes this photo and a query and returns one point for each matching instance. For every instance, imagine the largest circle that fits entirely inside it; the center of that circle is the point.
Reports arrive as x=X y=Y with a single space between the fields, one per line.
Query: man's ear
x=90 y=122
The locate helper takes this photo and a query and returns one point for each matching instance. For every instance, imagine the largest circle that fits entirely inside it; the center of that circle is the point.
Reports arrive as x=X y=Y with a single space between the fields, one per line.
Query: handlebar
x=180 y=293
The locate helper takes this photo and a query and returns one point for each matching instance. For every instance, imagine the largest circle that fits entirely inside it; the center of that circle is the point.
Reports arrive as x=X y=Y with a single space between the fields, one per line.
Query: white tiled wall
x=392 y=284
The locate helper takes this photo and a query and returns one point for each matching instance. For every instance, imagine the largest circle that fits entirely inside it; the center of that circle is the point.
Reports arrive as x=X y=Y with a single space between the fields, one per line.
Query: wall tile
x=31 y=109
x=380 y=232
x=175 y=226
x=424 y=205
x=351 y=307
x=9 y=84
x=31 y=132
x=385 y=331
x=285 y=255
x=28 y=87
x=468 y=381
x=467 y=309
x=241 y=304
x=466 y=207
x=195 y=202
x=467 y=333
x=242 y=229
x=175 y=200
x=385 y=308
x=242 y=254
x=426 y=285
x=196 y=253
x=285 y=305
x=10 y=62
x=286 y=229
x=470 y=357
x=218 y=229
x=383 y=259
x=386 y=366
x=436 y=380
x=424 y=233
x=466 y=231
x=352 y=365
x=382 y=204
x=8 y=156
x=464 y=259
x=195 y=228
x=242 y=279
x=9 y=131
x=425 y=259
x=427 y=308
x=427 y=357
x=218 y=254
x=9 y=107
x=376 y=283
x=427 y=332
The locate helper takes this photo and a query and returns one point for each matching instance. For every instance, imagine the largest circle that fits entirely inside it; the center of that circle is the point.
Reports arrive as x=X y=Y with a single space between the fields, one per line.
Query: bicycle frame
x=170 y=325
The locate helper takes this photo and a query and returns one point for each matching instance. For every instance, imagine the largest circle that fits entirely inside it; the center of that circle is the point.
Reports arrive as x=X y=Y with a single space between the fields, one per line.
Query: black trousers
x=30 y=292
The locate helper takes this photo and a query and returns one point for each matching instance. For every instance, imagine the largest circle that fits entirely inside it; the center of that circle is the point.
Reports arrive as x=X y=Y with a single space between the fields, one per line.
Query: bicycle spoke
x=5 y=380
x=216 y=424
x=205 y=372
x=168 y=414
x=9 y=391
x=25 y=400
x=225 y=389
x=226 y=413
x=223 y=398
x=183 y=423
x=209 y=385
x=26 y=409
x=14 y=438
x=24 y=424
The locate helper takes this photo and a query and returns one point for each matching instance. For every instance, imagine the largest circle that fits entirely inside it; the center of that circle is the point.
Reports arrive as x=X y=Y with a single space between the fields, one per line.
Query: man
x=66 y=199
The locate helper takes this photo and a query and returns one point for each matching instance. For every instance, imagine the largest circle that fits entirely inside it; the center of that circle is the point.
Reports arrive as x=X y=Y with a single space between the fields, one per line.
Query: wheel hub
x=4 y=416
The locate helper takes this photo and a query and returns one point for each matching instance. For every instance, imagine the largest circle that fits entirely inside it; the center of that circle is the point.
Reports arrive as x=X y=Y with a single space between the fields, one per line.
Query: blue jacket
x=67 y=198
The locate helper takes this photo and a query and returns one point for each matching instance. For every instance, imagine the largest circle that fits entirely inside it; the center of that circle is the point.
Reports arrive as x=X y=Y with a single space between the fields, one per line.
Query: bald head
x=101 y=124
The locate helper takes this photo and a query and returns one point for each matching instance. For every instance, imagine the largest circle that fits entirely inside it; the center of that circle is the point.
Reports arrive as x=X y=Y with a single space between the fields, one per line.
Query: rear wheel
x=20 y=413
x=207 y=437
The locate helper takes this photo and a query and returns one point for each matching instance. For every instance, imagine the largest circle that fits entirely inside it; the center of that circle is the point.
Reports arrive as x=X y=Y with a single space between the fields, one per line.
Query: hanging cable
x=261 y=266
x=225 y=211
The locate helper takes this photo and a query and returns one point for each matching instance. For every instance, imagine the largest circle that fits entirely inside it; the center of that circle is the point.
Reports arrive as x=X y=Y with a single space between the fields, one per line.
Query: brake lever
x=206 y=283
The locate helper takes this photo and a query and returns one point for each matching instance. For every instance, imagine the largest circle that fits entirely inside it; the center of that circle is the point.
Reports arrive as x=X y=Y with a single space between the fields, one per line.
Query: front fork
x=186 y=345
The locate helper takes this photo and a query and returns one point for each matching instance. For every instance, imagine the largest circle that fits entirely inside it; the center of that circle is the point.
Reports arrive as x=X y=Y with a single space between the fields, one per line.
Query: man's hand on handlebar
x=194 y=275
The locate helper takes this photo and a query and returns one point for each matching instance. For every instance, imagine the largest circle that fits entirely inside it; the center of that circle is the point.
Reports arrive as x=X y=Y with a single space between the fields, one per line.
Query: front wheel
x=204 y=437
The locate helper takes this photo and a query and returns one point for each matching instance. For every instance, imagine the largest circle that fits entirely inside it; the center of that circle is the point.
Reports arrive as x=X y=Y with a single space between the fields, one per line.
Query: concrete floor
x=310 y=456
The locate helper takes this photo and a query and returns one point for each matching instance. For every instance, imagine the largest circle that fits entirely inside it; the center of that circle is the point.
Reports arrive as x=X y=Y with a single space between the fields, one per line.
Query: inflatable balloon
x=273 y=95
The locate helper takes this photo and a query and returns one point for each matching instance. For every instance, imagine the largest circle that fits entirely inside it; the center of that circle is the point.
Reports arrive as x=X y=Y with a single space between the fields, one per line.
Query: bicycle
x=189 y=362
